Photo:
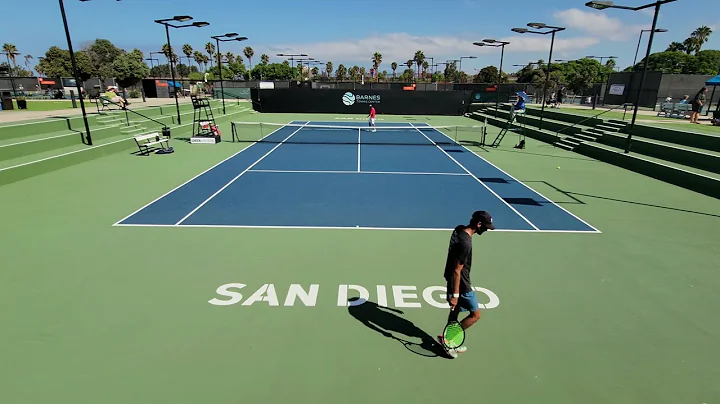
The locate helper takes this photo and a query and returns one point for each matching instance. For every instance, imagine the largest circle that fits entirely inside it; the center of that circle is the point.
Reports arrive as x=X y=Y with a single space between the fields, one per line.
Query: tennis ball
x=558 y=167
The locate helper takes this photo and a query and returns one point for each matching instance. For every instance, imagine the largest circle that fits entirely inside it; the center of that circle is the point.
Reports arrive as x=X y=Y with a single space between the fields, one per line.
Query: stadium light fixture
x=549 y=29
x=233 y=36
x=165 y=22
x=602 y=5
x=496 y=44
x=640 y=39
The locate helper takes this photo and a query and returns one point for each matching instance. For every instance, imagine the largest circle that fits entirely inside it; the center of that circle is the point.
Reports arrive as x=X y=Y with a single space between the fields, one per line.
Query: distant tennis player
x=372 y=117
x=460 y=294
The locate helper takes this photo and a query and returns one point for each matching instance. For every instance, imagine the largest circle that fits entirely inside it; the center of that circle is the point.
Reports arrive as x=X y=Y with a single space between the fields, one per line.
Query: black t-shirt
x=459 y=250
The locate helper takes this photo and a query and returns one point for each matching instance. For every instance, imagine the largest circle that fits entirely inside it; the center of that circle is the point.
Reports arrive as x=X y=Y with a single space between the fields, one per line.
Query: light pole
x=552 y=31
x=602 y=5
x=496 y=44
x=601 y=75
x=233 y=36
x=76 y=76
x=640 y=39
x=465 y=57
x=291 y=56
x=165 y=22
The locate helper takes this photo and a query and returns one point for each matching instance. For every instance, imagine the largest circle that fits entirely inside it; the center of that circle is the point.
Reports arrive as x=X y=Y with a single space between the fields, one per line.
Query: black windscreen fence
x=341 y=101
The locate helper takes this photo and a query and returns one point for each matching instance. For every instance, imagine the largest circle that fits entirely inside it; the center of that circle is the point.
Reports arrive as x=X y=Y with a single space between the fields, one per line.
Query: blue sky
x=350 y=31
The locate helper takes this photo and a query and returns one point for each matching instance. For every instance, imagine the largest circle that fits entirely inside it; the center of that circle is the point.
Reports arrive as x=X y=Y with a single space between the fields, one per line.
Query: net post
x=233 y=131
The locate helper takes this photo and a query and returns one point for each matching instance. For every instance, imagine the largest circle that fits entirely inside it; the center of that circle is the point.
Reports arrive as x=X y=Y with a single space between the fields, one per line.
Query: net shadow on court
x=387 y=322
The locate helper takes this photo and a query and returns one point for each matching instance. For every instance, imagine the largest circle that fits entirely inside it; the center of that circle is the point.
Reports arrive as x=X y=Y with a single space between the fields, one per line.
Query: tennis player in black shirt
x=460 y=294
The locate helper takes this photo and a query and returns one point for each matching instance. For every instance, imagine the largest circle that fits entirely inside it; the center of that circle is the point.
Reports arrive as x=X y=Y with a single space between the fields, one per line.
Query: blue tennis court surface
x=376 y=180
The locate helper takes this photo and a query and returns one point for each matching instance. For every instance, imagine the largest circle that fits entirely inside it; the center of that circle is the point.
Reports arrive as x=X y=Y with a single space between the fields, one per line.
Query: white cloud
x=599 y=24
x=399 y=47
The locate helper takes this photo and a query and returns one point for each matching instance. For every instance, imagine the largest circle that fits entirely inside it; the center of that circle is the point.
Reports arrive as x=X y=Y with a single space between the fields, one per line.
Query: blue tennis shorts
x=467 y=301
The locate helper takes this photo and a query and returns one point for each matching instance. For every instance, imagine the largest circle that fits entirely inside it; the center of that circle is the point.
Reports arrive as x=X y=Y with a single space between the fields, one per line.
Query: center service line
x=358 y=149
x=239 y=175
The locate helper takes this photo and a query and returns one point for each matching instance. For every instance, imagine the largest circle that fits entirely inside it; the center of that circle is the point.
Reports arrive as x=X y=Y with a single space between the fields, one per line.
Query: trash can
x=7 y=101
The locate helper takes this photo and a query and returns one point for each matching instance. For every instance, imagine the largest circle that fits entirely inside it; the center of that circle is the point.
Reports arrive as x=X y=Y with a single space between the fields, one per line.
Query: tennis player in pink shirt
x=372 y=117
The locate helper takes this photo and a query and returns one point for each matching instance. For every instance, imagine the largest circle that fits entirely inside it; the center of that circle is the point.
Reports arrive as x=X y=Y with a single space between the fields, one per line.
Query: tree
x=198 y=57
x=249 y=53
x=394 y=67
x=376 y=59
x=273 y=71
x=187 y=50
x=210 y=49
x=488 y=74
x=328 y=69
x=102 y=53
x=11 y=50
x=700 y=36
x=341 y=72
x=129 y=68
x=264 y=58
x=57 y=64
x=419 y=58
x=675 y=47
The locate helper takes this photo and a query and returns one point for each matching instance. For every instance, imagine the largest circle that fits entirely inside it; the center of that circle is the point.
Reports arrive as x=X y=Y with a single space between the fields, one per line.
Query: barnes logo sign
x=394 y=295
x=351 y=99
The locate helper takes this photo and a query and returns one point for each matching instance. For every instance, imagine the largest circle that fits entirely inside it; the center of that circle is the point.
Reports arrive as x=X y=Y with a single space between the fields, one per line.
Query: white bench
x=145 y=141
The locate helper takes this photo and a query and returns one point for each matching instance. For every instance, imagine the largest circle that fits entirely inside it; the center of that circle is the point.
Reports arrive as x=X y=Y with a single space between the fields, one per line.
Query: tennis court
x=253 y=298
x=323 y=175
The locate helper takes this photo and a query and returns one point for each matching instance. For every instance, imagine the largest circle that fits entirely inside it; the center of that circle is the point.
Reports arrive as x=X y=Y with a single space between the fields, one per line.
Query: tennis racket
x=453 y=335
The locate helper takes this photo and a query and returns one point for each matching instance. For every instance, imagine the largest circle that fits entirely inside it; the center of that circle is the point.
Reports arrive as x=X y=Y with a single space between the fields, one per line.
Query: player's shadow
x=386 y=322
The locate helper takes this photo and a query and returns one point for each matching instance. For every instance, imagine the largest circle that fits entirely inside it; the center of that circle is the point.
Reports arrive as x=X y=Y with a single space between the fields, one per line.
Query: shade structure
x=715 y=81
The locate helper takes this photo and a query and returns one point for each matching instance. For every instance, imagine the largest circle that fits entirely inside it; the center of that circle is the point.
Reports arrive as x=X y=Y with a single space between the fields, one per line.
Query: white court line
x=37 y=140
x=354 y=172
x=221 y=226
x=240 y=175
x=191 y=179
x=65 y=154
x=358 y=150
x=526 y=186
x=478 y=180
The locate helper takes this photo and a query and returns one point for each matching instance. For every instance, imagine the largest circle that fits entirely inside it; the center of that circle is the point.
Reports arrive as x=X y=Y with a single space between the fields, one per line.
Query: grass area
x=48 y=105
x=91 y=310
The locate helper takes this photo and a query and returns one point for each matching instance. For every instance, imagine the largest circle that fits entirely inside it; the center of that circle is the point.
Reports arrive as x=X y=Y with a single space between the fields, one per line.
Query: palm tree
x=11 y=50
x=169 y=53
x=187 y=50
x=210 y=49
x=249 y=53
x=354 y=73
x=328 y=69
x=341 y=72
x=425 y=66
x=28 y=58
x=393 y=66
x=690 y=45
x=264 y=59
x=675 y=47
x=376 y=59
x=198 y=56
x=419 y=59
x=701 y=36
x=230 y=57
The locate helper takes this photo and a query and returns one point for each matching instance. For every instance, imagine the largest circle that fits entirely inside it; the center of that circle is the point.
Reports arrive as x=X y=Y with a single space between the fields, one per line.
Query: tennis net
x=397 y=134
